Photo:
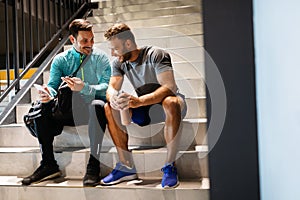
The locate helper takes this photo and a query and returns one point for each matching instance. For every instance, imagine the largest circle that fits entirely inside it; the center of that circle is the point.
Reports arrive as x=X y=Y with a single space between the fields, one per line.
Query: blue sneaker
x=119 y=174
x=170 y=178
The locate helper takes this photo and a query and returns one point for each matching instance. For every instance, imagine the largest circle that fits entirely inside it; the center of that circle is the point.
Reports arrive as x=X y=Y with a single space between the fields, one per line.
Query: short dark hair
x=79 y=25
x=120 y=31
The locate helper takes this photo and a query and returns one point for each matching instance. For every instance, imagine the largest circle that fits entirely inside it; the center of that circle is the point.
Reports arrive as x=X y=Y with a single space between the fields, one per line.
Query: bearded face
x=84 y=42
x=120 y=49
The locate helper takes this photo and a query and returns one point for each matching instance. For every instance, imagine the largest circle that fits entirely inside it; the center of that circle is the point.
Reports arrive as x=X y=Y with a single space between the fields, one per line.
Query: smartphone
x=40 y=88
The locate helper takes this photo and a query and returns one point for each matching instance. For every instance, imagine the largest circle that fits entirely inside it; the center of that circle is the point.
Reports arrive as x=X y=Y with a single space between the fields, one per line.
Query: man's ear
x=128 y=44
x=72 y=38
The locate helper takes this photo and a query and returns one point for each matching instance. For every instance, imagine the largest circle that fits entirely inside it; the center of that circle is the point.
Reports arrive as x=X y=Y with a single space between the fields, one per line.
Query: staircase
x=175 y=25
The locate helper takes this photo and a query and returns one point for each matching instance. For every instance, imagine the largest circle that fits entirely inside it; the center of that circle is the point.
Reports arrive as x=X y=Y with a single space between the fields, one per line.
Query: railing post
x=37 y=24
x=49 y=19
x=73 y=6
x=55 y=15
x=70 y=8
x=43 y=23
x=59 y=14
x=7 y=44
x=24 y=35
x=65 y=13
x=16 y=61
x=30 y=29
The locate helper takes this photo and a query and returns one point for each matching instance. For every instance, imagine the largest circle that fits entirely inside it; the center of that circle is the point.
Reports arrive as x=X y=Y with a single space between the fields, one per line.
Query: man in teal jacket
x=91 y=83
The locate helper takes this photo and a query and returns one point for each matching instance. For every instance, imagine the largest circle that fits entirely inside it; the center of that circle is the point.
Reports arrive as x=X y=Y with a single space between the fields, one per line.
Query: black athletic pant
x=47 y=128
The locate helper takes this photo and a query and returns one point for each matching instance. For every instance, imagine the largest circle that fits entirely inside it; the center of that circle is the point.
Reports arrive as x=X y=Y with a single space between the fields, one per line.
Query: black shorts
x=152 y=114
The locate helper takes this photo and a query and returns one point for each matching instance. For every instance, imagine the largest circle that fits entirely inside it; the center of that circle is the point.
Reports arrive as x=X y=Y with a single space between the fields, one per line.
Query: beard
x=86 y=50
x=125 y=57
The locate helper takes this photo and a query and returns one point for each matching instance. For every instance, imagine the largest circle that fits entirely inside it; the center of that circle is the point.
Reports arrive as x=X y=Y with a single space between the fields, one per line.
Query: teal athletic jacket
x=95 y=73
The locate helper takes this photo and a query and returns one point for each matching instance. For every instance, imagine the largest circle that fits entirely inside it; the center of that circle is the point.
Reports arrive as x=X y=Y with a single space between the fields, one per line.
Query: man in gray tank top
x=149 y=70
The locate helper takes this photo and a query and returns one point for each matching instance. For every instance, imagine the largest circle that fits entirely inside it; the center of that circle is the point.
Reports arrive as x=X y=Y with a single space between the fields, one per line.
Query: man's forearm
x=156 y=97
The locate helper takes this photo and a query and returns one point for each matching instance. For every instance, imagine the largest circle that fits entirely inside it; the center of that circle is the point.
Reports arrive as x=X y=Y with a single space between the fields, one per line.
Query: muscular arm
x=168 y=88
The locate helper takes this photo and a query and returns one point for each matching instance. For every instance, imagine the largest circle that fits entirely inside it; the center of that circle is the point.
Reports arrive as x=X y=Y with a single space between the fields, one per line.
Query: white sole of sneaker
x=125 y=178
x=168 y=187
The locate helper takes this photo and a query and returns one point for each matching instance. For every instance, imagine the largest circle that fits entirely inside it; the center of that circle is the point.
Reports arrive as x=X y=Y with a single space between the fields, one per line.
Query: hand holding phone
x=41 y=88
x=43 y=93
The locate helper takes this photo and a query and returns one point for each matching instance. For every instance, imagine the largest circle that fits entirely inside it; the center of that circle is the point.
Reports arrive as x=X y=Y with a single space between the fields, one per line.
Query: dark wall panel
x=228 y=39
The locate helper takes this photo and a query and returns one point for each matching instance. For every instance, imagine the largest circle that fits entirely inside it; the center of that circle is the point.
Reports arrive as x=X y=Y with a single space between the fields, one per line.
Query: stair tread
x=135 y=184
x=135 y=149
x=189 y=120
x=69 y=188
x=191 y=164
x=194 y=18
x=142 y=4
x=179 y=79
x=132 y=9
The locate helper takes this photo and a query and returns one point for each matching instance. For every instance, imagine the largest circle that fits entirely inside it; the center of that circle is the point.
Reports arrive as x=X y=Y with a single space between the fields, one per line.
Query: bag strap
x=63 y=84
x=82 y=64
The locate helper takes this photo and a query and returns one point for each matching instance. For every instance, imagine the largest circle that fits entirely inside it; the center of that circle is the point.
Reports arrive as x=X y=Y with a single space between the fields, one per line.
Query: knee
x=97 y=103
x=171 y=104
x=97 y=106
x=107 y=110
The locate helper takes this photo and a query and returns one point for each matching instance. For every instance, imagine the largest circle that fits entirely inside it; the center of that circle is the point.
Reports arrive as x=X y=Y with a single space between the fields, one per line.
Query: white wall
x=277 y=57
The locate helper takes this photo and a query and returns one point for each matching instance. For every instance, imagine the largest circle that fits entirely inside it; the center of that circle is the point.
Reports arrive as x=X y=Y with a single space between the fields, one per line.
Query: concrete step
x=115 y=16
x=156 y=37
x=65 y=188
x=191 y=88
x=103 y=22
x=23 y=161
x=175 y=7
x=165 y=31
x=189 y=70
x=114 y=3
x=173 y=42
x=147 y=32
x=189 y=54
x=193 y=131
x=133 y=6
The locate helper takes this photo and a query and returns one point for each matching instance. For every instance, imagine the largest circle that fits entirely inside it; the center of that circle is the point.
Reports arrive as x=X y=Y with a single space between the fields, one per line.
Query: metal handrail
x=60 y=38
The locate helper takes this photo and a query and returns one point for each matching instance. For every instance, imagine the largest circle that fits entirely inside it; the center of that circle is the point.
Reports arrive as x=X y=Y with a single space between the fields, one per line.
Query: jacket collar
x=76 y=53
